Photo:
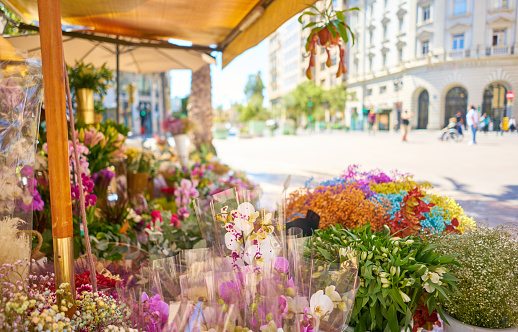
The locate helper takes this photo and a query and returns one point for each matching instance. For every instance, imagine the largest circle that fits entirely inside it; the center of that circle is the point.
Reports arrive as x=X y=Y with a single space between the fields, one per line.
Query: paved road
x=483 y=178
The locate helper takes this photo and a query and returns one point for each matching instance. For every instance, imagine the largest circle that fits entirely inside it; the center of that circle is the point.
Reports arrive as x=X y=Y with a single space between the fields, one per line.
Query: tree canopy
x=253 y=110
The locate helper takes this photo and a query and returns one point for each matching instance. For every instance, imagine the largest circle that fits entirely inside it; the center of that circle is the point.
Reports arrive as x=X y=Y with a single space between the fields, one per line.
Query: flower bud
x=364 y=256
x=369 y=256
x=393 y=270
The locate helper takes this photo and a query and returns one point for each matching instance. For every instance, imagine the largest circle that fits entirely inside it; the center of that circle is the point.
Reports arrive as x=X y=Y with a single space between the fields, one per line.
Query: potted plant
x=85 y=81
x=179 y=129
x=487 y=296
x=397 y=275
x=328 y=30
x=141 y=165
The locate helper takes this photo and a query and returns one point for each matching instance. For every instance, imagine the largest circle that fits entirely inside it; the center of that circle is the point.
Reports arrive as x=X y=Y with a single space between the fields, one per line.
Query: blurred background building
x=432 y=57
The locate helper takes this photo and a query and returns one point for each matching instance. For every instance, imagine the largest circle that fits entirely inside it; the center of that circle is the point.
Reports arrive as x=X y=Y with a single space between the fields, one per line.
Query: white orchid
x=440 y=271
x=434 y=277
x=296 y=305
x=233 y=241
x=429 y=288
x=259 y=253
x=321 y=305
x=333 y=294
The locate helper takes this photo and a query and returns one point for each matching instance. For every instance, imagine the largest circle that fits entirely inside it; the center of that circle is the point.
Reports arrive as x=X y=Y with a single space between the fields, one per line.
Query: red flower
x=175 y=220
x=155 y=214
x=168 y=191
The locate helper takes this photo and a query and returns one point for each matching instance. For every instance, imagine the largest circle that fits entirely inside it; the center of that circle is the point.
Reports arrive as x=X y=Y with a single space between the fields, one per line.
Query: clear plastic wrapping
x=21 y=85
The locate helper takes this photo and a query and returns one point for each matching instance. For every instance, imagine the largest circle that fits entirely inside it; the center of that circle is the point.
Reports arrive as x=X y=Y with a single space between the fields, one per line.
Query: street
x=482 y=178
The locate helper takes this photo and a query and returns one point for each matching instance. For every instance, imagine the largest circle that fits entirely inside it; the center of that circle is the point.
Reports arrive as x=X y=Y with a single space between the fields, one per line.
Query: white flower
x=296 y=305
x=321 y=305
x=429 y=288
x=261 y=253
x=333 y=294
x=440 y=271
x=233 y=241
x=434 y=277
x=405 y=297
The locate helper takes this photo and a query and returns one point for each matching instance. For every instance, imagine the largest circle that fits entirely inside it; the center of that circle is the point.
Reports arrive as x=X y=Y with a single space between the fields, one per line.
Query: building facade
x=433 y=58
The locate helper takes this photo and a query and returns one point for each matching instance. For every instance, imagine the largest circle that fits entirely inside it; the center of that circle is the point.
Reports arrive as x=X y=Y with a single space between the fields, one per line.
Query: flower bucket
x=457 y=326
x=85 y=105
x=138 y=183
x=180 y=142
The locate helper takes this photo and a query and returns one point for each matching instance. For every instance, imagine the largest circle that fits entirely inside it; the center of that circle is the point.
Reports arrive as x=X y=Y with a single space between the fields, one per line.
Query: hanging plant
x=328 y=32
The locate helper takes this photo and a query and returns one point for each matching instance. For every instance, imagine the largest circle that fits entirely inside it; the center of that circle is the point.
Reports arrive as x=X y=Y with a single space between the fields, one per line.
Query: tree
x=253 y=110
x=305 y=100
x=200 y=107
x=336 y=98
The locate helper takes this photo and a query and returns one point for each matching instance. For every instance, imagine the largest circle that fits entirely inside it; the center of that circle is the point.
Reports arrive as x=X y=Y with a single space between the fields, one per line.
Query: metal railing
x=499 y=50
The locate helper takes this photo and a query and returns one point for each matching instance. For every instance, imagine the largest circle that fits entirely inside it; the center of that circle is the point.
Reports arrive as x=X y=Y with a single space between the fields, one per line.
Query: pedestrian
x=371 y=119
x=405 y=123
x=460 y=122
x=512 y=125
x=472 y=121
x=484 y=122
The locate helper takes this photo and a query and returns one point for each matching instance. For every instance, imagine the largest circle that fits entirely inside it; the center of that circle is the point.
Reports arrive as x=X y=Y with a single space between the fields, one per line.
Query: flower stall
x=142 y=240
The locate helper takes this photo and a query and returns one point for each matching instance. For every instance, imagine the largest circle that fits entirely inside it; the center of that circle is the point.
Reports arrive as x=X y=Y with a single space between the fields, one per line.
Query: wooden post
x=57 y=140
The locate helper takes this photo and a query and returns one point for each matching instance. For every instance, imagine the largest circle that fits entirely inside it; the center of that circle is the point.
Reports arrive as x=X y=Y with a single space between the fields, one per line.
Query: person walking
x=405 y=123
x=460 y=123
x=371 y=119
x=512 y=125
x=484 y=122
x=472 y=121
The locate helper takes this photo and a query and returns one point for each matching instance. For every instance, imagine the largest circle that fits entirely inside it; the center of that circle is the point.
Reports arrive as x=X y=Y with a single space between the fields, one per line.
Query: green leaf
x=392 y=319
x=340 y=16
x=342 y=31
x=352 y=34
x=309 y=25
x=447 y=259
x=326 y=255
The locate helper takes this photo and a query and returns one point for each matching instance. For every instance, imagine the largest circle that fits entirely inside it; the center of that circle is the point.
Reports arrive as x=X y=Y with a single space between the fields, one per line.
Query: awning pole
x=118 y=84
x=57 y=140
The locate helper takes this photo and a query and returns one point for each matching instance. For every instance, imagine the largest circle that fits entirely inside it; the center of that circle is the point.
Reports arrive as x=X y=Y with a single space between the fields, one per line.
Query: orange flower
x=344 y=204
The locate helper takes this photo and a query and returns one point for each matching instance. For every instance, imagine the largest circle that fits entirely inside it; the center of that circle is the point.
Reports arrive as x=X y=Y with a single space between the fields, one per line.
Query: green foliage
x=86 y=76
x=254 y=109
x=393 y=271
x=305 y=100
x=336 y=98
x=11 y=28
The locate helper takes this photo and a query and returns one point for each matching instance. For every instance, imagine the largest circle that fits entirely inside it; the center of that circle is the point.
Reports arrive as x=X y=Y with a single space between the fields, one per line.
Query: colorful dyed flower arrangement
x=355 y=198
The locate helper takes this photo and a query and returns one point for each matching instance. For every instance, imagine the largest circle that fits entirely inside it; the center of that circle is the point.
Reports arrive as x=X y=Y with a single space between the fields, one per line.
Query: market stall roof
x=134 y=55
x=233 y=26
x=7 y=52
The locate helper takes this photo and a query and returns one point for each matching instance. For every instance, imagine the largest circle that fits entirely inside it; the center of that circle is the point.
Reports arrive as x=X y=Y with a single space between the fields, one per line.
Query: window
x=426 y=13
x=459 y=7
x=400 y=54
x=356 y=66
x=384 y=31
x=498 y=37
x=425 y=47
x=333 y=59
x=335 y=4
x=369 y=92
x=383 y=89
x=323 y=81
x=372 y=9
x=500 y=4
x=323 y=66
x=458 y=42
x=384 y=59
x=370 y=37
x=370 y=64
x=401 y=23
x=385 y=4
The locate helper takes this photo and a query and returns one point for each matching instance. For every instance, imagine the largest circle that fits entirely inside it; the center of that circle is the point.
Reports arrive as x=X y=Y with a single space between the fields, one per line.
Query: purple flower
x=230 y=292
x=156 y=310
x=282 y=265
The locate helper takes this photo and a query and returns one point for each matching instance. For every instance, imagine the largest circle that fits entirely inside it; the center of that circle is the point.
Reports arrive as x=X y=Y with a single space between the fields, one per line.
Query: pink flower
x=175 y=220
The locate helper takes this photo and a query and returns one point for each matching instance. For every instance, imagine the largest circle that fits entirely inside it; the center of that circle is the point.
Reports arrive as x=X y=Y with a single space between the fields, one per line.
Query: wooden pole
x=57 y=140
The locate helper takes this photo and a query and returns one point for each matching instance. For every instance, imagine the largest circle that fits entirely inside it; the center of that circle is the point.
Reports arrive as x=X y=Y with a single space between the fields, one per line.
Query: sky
x=228 y=84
